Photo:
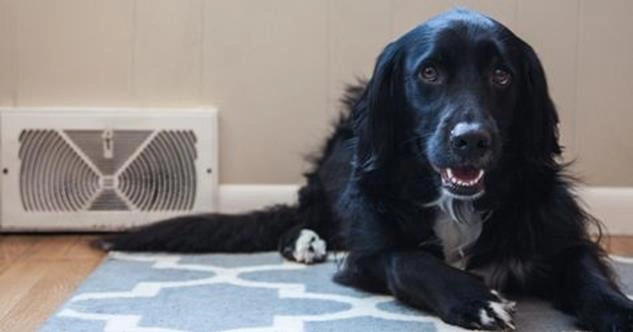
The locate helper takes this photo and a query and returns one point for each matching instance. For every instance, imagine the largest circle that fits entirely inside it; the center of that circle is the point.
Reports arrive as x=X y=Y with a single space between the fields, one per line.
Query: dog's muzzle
x=471 y=144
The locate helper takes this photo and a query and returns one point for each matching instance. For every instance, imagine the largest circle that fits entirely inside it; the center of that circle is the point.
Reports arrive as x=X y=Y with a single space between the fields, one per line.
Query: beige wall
x=275 y=68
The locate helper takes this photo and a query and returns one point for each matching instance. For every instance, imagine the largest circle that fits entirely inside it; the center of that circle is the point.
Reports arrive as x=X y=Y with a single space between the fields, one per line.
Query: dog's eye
x=430 y=74
x=501 y=78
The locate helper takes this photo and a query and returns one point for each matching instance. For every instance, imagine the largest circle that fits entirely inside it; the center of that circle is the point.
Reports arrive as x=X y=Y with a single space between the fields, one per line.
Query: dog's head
x=462 y=92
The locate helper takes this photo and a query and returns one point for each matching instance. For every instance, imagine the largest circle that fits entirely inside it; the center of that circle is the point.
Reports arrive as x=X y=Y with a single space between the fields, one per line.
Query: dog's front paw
x=492 y=313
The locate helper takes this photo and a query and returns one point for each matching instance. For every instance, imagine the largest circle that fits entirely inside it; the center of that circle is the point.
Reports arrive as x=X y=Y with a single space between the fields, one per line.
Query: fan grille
x=94 y=170
x=169 y=158
x=52 y=176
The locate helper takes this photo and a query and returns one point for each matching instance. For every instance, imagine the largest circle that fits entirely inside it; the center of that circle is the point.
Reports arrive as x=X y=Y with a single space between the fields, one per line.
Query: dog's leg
x=584 y=287
x=426 y=282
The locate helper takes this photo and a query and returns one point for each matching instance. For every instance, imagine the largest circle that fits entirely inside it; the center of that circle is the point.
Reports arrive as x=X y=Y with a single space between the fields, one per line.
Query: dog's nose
x=470 y=140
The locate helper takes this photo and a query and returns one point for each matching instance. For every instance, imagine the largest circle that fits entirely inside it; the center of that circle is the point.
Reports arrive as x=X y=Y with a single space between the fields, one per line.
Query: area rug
x=258 y=292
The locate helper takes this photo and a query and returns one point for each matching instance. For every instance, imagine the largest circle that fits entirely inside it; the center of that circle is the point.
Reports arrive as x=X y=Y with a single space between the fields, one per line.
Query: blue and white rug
x=259 y=292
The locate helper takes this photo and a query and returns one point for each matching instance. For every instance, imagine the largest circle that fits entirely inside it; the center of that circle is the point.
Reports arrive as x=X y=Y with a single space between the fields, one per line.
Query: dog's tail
x=248 y=232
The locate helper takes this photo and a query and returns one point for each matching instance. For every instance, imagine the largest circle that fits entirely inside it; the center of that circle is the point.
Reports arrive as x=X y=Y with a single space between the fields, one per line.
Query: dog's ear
x=378 y=111
x=536 y=126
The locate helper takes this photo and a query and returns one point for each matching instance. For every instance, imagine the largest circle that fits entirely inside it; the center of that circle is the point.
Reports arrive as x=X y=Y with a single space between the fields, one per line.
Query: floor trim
x=612 y=205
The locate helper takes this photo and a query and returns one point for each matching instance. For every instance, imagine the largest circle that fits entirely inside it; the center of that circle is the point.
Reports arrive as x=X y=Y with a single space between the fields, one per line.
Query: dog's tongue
x=465 y=173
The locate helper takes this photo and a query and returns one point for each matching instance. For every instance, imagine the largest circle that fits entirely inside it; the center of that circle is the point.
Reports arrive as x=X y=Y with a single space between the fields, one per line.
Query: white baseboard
x=612 y=205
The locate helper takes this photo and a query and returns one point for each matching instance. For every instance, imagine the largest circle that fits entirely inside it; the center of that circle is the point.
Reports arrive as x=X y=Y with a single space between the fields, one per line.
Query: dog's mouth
x=464 y=182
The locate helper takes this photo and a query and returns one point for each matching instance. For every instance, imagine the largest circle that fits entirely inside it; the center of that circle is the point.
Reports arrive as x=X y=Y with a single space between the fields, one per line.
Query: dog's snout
x=470 y=140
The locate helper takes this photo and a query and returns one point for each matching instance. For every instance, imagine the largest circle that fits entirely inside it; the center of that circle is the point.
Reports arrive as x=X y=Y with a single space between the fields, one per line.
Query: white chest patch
x=458 y=226
x=456 y=237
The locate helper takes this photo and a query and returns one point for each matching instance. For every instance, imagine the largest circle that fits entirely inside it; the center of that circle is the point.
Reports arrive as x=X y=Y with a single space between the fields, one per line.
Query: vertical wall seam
x=576 y=65
x=392 y=13
x=516 y=11
x=133 y=40
x=13 y=16
x=329 y=104
x=201 y=52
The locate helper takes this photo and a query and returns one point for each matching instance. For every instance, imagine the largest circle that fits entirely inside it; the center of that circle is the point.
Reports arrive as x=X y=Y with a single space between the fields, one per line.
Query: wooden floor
x=39 y=272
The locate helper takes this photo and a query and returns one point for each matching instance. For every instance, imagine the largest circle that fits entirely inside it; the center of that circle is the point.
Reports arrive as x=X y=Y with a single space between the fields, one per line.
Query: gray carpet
x=260 y=292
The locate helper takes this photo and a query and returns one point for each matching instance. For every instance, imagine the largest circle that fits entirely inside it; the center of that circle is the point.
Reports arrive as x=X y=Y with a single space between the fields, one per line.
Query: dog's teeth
x=451 y=178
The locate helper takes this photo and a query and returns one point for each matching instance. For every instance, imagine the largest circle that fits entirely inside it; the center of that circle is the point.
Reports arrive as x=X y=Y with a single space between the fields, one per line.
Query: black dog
x=442 y=182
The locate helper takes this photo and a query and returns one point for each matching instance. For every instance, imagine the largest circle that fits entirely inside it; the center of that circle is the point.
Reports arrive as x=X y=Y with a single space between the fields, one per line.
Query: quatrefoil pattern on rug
x=256 y=292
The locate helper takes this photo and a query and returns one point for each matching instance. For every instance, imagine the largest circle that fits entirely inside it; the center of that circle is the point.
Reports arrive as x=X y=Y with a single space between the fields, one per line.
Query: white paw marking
x=309 y=247
x=484 y=318
x=502 y=310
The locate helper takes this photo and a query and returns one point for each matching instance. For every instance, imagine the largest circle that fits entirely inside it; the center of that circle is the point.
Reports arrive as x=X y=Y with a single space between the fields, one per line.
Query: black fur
x=370 y=189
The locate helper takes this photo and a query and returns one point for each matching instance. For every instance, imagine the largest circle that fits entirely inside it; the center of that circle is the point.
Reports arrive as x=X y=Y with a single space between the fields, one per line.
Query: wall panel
x=604 y=124
x=74 y=52
x=277 y=68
